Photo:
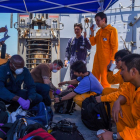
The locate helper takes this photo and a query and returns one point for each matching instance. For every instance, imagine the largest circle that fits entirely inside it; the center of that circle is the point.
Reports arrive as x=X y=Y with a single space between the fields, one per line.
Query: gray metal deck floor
x=76 y=118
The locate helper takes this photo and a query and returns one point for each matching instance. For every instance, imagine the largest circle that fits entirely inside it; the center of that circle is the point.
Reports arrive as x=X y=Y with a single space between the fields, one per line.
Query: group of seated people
x=124 y=101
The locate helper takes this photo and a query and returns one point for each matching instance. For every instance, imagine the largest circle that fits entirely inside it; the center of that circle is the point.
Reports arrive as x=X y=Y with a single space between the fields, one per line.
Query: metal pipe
x=11 y=20
x=136 y=21
x=123 y=8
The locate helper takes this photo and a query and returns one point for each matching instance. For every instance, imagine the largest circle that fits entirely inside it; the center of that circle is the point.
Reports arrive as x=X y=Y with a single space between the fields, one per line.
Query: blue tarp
x=53 y=6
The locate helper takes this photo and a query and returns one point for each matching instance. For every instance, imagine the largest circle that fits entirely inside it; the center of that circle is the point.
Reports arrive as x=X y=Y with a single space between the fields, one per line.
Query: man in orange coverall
x=106 y=41
x=126 y=110
x=111 y=94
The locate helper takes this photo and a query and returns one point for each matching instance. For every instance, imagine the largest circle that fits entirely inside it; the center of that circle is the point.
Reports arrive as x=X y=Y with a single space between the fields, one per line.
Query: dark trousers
x=24 y=94
x=43 y=89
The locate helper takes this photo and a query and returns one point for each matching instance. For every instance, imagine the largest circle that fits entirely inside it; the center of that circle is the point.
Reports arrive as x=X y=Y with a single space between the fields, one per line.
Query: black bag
x=31 y=128
x=65 y=130
x=3 y=113
x=4 y=129
x=67 y=106
x=22 y=127
x=94 y=114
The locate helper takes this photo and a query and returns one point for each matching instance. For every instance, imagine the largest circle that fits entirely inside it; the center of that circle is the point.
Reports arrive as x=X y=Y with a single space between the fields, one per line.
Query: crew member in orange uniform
x=111 y=94
x=126 y=110
x=106 y=41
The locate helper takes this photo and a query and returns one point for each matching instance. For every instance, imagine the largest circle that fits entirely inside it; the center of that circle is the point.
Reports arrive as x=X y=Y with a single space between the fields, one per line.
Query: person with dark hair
x=12 y=75
x=88 y=85
x=106 y=41
x=111 y=94
x=77 y=48
x=41 y=75
x=126 y=108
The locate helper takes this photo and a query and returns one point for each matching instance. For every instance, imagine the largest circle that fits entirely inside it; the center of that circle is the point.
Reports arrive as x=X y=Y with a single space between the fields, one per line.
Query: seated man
x=88 y=84
x=110 y=94
x=41 y=75
x=126 y=109
x=12 y=75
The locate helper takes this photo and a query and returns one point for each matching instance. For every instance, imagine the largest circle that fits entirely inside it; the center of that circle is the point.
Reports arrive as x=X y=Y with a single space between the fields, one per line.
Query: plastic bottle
x=99 y=117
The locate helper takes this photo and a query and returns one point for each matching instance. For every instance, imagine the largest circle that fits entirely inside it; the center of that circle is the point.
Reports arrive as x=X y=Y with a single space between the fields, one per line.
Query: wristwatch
x=114 y=136
x=60 y=98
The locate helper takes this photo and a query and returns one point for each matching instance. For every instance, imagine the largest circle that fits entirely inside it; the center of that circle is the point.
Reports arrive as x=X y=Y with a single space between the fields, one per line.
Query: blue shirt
x=9 y=85
x=88 y=83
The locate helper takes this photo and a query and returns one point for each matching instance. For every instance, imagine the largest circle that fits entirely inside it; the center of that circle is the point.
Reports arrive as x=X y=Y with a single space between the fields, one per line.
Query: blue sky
x=12 y=41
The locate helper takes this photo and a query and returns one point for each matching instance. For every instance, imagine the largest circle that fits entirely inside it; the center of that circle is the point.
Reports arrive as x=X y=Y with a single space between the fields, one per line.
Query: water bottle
x=98 y=117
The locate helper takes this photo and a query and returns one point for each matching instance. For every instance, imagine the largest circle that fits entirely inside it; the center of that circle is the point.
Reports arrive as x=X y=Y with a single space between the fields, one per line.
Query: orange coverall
x=106 y=41
x=112 y=94
x=129 y=126
x=78 y=99
x=112 y=79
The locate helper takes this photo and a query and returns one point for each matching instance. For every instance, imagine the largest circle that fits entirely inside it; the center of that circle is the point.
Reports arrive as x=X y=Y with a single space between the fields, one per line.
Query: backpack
x=39 y=113
x=4 y=128
x=22 y=127
x=94 y=114
x=3 y=113
x=64 y=107
x=65 y=130
x=39 y=134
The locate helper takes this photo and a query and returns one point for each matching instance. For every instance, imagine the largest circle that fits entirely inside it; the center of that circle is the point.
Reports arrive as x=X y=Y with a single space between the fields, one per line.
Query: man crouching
x=12 y=75
x=88 y=85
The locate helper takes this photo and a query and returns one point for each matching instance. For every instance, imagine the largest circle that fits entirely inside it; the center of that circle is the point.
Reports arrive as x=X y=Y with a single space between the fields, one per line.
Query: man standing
x=12 y=75
x=106 y=41
x=77 y=48
x=41 y=75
